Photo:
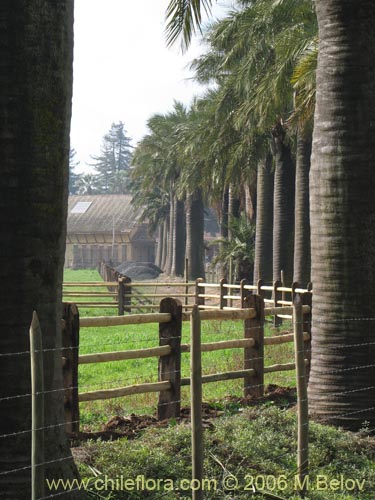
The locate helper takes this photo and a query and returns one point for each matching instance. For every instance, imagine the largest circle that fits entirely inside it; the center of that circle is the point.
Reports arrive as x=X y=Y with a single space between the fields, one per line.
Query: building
x=105 y=227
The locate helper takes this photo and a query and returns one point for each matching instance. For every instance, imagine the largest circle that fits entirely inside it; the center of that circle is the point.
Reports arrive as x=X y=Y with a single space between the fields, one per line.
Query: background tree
x=341 y=389
x=157 y=167
x=73 y=177
x=252 y=53
x=113 y=163
x=87 y=184
x=239 y=249
x=264 y=221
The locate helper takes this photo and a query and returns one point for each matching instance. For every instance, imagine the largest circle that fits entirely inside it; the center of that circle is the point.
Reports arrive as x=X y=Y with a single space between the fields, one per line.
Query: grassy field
x=123 y=373
x=257 y=446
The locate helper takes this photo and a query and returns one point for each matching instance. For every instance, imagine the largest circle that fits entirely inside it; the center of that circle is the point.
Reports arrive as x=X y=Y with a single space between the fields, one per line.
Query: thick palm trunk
x=224 y=214
x=179 y=237
x=283 y=215
x=342 y=184
x=250 y=202
x=172 y=224
x=195 y=234
x=159 y=249
x=224 y=226
x=165 y=244
x=35 y=107
x=302 y=253
x=264 y=222
x=233 y=208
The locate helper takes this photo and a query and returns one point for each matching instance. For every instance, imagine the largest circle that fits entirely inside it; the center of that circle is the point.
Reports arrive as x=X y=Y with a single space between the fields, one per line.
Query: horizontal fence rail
x=170 y=350
x=128 y=296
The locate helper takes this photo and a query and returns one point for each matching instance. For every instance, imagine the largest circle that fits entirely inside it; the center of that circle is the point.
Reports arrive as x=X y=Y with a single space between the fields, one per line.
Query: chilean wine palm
x=343 y=215
x=342 y=183
x=157 y=159
x=35 y=87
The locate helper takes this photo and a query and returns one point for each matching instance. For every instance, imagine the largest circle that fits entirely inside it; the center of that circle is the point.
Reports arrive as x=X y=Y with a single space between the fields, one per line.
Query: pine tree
x=73 y=177
x=113 y=163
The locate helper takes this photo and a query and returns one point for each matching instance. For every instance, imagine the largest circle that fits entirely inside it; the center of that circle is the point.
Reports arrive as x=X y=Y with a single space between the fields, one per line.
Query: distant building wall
x=88 y=256
x=106 y=227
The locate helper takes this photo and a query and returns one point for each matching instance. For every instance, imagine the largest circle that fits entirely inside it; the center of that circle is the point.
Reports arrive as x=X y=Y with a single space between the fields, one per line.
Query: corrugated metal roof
x=102 y=212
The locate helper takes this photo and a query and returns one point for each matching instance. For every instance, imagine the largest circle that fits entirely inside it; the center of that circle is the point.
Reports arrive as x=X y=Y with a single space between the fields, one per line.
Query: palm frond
x=183 y=18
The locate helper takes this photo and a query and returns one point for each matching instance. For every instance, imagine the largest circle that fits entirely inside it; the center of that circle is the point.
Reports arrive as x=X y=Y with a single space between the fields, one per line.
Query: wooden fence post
x=295 y=285
x=260 y=292
x=282 y=279
x=170 y=366
x=127 y=294
x=120 y=296
x=199 y=301
x=302 y=402
x=196 y=404
x=223 y=302
x=37 y=410
x=243 y=292
x=70 y=343
x=186 y=281
x=254 y=356
x=276 y=297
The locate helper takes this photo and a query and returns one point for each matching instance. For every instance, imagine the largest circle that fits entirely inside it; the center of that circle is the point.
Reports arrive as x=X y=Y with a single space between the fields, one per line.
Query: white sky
x=123 y=70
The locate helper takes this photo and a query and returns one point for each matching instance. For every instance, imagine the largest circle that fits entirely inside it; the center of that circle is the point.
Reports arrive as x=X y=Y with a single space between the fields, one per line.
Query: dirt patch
x=283 y=397
x=131 y=426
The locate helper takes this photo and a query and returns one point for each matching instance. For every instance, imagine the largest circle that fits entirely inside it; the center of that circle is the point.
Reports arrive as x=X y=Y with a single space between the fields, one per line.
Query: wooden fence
x=169 y=351
x=127 y=296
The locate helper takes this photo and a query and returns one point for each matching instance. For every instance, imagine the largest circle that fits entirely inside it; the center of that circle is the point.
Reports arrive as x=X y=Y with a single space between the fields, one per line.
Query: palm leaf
x=183 y=18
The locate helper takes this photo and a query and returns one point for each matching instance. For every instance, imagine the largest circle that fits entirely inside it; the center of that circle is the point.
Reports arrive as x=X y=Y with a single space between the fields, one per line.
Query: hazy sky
x=123 y=70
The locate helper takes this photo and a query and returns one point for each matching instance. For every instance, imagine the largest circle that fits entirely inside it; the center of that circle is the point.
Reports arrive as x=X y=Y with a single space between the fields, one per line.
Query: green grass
x=83 y=276
x=123 y=373
x=259 y=443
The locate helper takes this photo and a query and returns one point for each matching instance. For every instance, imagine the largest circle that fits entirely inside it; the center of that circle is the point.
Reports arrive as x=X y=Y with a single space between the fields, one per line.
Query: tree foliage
x=73 y=176
x=112 y=165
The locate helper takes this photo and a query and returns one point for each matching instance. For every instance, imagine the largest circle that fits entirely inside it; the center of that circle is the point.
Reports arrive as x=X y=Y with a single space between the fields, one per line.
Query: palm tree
x=179 y=235
x=264 y=221
x=157 y=157
x=184 y=17
x=36 y=90
x=283 y=205
x=253 y=53
x=195 y=234
x=152 y=198
x=190 y=147
x=239 y=249
x=289 y=27
x=342 y=184
x=302 y=243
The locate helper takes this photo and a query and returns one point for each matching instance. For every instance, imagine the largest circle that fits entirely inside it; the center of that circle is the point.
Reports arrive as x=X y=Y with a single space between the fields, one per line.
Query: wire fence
x=228 y=360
